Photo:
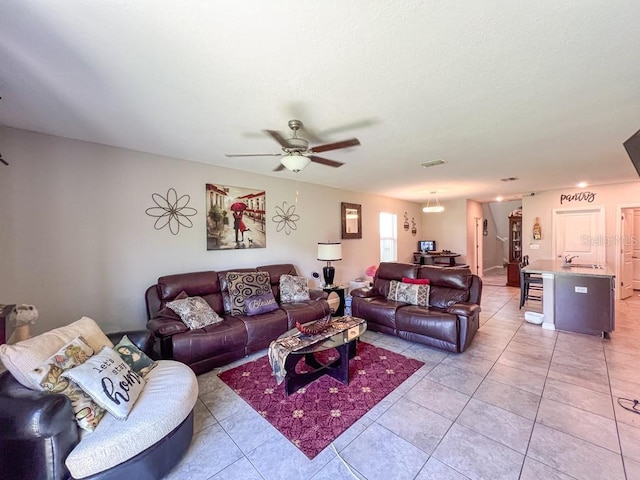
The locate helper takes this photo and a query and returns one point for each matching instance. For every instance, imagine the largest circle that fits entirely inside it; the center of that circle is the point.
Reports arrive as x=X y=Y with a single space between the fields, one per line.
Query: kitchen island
x=577 y=298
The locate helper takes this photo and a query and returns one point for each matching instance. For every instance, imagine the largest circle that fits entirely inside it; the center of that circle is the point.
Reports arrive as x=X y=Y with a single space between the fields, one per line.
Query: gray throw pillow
x=194 y=312
x=293 y=289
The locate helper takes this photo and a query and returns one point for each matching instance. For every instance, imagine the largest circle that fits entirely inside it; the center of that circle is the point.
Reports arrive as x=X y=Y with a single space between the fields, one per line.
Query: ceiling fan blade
x=334 y=146
x=279 y=138
x=365 y=122
x=311 y=135
x=325 y=161
x=253 y=154
x=279 y=168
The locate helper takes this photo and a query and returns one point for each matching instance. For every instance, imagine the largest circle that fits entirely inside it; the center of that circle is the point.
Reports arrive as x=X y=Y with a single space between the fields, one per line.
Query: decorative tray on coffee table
x=316 y=327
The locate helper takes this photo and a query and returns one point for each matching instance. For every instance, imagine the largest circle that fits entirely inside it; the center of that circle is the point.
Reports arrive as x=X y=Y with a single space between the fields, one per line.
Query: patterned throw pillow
x=409 y=293
x=243 y=285
x=293 y=289
x=109 y=381
x=22 y=357
x=167 y=312
x=260 y=304
x=194 y=312
x=133 y=356
x=49 y=376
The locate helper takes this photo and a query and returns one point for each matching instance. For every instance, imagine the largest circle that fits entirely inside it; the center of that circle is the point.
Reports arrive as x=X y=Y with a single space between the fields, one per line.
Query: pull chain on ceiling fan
x=296 y=152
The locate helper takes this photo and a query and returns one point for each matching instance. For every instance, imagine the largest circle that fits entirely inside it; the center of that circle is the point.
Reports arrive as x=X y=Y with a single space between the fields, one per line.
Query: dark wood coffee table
x=344 y=342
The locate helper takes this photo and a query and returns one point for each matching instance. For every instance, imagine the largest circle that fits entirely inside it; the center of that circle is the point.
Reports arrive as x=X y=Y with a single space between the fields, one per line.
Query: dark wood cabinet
x=515 y=251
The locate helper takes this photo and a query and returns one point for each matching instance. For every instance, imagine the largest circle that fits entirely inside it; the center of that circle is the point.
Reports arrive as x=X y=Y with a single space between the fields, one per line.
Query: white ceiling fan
x=296 y=151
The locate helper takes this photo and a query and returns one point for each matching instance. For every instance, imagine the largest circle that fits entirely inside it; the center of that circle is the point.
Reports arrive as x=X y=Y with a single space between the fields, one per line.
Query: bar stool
x=529 y=283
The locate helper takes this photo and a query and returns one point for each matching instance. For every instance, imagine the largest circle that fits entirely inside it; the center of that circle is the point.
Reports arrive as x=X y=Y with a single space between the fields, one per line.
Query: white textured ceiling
x=545 y=91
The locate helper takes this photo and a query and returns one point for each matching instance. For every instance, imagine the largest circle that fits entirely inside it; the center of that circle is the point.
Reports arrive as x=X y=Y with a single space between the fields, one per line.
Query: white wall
x=541 y=205
x=492 y=248
x=454 y=229
x=475 y=250
x=75 y=239
x=448 y=228
x=500 y=212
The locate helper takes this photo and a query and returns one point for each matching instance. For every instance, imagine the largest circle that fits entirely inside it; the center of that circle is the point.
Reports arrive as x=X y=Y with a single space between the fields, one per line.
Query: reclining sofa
x=449 y=321
x=237 y=335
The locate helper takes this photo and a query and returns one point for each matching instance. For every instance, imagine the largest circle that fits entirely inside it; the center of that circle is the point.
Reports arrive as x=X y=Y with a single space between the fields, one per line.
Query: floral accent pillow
x=133 y=356
x=293 y=289
x=49 y=375
x=167 y=312
x=109 y=381
x=414 y=294
x=242 y=285
x=194 y=312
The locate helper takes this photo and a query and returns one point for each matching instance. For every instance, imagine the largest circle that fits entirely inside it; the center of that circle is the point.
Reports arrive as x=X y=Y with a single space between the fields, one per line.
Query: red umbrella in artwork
x=238 y=207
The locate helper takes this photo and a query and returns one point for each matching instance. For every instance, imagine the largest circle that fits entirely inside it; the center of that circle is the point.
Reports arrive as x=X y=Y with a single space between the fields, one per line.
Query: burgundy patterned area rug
x=316 y=415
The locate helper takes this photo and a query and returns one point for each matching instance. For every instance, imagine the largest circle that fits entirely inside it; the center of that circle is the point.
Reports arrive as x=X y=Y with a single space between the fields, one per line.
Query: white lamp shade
x=295 y=162
x=329 y=252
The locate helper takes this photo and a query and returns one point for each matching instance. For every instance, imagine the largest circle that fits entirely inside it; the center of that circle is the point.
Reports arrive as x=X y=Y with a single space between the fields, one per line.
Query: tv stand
x=431 y=258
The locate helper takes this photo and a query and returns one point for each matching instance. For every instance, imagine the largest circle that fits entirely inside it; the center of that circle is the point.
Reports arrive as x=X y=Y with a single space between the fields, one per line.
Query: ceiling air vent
x=433 y=163
x=509 y=179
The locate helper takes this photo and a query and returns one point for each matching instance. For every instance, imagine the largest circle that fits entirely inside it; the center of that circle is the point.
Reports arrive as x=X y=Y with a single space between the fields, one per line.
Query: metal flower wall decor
x=171 y=211
x=286 y=218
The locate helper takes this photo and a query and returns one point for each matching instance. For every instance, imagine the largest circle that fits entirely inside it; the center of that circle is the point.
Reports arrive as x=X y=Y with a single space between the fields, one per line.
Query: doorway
x=495 y=245
x=627 y=250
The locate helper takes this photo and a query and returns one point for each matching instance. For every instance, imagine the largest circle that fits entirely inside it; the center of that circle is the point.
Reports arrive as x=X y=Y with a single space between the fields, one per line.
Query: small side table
x=340 y=291
x=356 y=284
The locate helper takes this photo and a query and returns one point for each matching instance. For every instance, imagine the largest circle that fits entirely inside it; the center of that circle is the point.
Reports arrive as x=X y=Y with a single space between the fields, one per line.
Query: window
x=388 y=237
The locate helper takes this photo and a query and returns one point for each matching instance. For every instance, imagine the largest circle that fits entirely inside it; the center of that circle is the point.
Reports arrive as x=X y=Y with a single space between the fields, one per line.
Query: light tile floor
x=521 y=402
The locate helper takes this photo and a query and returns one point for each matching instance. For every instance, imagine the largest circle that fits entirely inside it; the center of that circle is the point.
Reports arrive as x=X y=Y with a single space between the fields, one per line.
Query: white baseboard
x=500 y=267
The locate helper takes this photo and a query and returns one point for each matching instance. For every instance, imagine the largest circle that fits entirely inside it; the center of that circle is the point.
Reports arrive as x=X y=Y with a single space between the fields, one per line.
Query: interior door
x=579 y=233
x=636 y=249
x=626 y=254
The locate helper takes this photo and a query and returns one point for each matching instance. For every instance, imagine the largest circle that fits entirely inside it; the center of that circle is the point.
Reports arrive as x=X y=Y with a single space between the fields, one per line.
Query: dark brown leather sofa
x=449 y=322
x=236 y=336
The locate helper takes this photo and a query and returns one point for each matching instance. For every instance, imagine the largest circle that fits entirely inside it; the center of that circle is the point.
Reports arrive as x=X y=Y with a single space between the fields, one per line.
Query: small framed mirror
x=351 y=220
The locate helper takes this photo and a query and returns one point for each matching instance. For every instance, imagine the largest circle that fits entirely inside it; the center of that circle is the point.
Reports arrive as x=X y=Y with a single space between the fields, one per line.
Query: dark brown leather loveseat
x=449 y=322
x=237 y=335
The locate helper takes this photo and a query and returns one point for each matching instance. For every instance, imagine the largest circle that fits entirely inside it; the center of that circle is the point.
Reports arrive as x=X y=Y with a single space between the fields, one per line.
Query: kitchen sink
x=586 y=265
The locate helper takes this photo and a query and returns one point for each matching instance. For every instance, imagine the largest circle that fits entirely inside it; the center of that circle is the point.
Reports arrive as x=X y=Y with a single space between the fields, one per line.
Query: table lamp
x=329 y=252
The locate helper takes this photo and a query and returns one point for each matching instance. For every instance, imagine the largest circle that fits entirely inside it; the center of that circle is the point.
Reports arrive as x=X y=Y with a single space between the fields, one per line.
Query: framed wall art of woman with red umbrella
x=235 y=217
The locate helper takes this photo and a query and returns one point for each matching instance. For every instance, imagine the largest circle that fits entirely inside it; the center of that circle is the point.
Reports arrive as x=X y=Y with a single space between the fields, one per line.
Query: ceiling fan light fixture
x=295 y=162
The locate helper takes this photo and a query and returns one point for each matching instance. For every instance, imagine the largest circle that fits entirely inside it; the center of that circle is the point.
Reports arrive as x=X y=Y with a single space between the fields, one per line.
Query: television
x=427 y=246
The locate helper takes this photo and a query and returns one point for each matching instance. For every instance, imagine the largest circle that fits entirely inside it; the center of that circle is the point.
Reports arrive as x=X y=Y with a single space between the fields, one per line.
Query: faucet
x=567 y=258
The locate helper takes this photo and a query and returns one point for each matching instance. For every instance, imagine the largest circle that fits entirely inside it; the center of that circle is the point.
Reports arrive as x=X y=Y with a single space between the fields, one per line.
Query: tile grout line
x=615 y=417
